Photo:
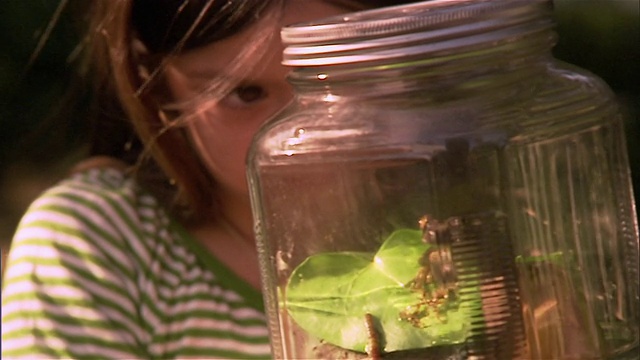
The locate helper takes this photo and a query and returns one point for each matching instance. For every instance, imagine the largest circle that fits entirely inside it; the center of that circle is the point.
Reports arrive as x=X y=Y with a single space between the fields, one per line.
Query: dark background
x=43 y=112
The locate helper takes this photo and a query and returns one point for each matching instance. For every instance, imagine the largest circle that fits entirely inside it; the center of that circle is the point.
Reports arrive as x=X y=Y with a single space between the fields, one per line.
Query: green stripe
x=150 y=303
x=212 y=353
x=28 y=296
x=82 y=272
x=77 y=215
x=163 y=317
x=116 y=201
x=65 y=229
x=151 y=306
x=39 y=333
x=223 y=274
x=124 y=221
x=117 y=206
x=167 y=291
x=215 y=334
x=104 y=324
x=59 y=300
x=214 y=315
x=205 y=294
x=76 y=253
x=117 y=223
x=31 y=350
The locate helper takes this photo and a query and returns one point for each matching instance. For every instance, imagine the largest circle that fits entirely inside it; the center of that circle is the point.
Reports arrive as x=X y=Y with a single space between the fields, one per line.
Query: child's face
x=222 y=130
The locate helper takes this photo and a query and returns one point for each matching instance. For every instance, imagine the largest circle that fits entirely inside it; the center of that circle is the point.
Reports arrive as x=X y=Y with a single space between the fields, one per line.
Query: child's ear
x=140 y=56
x=150 y=81
x=148 y=67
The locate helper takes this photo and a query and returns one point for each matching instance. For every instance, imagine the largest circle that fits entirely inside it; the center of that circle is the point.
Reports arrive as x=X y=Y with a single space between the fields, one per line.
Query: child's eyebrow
x=209 y=73
x=349 y=5
x=199 y=72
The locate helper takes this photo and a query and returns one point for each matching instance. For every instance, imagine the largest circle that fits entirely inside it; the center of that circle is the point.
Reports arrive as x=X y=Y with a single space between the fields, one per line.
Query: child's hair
x=129 y=42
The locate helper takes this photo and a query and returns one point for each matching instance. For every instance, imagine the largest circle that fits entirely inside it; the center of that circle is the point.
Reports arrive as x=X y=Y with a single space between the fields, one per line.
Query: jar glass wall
x=442 y=187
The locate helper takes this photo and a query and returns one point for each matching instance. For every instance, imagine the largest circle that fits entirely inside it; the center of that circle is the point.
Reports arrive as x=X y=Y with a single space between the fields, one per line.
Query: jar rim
x=327 y=41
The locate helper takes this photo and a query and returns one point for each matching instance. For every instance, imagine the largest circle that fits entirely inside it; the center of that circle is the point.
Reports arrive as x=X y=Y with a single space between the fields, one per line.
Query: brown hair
x=128 y=85
x=129 y=40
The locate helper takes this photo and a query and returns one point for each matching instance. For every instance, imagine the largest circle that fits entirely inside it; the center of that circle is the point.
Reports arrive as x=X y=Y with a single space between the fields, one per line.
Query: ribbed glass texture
x=450 y=120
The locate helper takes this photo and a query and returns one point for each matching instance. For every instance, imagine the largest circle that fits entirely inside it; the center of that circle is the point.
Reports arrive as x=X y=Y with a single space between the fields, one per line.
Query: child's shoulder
x=99 y=213
x=102 y=185
x=99 y=184
x=95 y=203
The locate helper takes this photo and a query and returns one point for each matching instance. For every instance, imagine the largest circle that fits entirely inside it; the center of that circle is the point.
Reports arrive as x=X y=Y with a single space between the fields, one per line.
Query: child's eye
x=245 y=95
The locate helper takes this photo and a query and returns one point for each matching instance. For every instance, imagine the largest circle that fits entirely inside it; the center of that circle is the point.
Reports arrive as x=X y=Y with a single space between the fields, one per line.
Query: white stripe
x=146 y=200
x=39 y=213
x=64 y=292
x=101 y=351
x=27 y=269
x=181 y=260
x=69 y=311
x=69 y=330
x=49 y=253
x=199 y=288
x=157 y=267
x=21 y=249
x=111 y=177
x=148 y=213
x=241 y=314
x=56 y=271
x=168 y=253
x=107 y=203
x=109 y=200
x=63 y=346
x=86 y=289
x=191 y=273
x=191 y=322
x=227 y=295
x=37 y=232
x=247 y=313
x=175 y=263
x=19 y=343
x=107 y=211
x=27 y=232
x=208 y=343
x=151 y=318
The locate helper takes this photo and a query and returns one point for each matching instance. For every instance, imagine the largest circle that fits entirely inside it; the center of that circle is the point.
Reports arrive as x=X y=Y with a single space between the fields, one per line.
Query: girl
x=146 y=250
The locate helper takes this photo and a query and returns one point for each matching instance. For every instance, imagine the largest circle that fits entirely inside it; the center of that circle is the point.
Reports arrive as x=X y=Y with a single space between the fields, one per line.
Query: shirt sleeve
x=69 y=289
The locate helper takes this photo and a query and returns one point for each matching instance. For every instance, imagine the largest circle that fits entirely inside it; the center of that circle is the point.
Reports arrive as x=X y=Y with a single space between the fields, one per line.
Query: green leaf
x=329 y=294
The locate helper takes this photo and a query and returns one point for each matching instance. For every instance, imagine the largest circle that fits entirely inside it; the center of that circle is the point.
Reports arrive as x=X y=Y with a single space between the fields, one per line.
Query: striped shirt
x=98 y=270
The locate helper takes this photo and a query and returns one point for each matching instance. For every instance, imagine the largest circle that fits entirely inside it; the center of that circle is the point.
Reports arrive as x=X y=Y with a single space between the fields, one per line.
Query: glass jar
x=441 y=187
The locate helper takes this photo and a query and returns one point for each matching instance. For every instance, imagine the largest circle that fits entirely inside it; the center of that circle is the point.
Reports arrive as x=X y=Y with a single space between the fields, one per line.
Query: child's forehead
x=297 y=11
x=253 y=45
x=260 y=39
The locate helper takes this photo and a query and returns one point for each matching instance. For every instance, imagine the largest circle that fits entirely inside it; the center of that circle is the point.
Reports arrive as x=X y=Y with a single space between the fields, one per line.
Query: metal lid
x=407 y=30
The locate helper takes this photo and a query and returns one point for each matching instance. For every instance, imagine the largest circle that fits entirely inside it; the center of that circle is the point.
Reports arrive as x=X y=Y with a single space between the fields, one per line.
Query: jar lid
x=412 y=29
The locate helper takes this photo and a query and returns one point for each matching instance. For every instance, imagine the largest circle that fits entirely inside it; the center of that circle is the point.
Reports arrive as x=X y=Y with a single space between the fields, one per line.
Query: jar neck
x=456 y=47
